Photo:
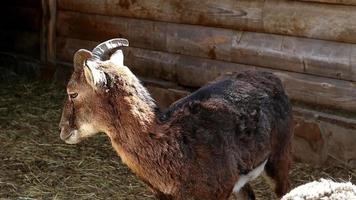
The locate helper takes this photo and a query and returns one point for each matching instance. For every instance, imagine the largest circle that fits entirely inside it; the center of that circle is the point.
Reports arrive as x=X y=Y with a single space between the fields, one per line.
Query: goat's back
x=243 y=92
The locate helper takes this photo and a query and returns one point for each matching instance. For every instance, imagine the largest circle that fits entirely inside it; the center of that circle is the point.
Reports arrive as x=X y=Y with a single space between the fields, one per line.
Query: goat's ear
x=117 y=58
x=80 y=57
x=94 y=75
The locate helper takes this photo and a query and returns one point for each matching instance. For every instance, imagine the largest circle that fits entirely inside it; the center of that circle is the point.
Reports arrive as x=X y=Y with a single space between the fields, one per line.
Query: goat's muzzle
x=70 y=136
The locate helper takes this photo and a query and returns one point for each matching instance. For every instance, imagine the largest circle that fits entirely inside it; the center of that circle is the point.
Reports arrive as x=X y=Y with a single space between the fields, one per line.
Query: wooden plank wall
x=209 y=38
x=177 y=46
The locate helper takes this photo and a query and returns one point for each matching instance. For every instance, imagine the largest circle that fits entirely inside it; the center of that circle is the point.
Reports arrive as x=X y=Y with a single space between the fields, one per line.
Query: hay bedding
x=36 y=164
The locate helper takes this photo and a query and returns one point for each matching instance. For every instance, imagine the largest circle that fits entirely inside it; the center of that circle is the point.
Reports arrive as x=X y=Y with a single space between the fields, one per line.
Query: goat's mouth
x=72 y=138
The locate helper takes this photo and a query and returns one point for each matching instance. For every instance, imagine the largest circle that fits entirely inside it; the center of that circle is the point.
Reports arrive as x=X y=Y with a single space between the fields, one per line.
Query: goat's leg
x=277 y=168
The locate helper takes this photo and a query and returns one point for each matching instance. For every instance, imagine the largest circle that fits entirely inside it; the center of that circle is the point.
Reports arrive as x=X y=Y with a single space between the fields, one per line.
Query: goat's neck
x=130 y=135
x=135 y=119
x=135 y=110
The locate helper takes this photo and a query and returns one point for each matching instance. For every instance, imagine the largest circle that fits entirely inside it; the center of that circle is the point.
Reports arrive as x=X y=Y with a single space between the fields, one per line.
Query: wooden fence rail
x=177 y=46
x=342 y=2
x=296 y=18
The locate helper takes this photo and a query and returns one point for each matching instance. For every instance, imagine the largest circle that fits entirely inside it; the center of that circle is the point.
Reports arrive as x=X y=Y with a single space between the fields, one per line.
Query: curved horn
x=95 y=76
x=102 y=51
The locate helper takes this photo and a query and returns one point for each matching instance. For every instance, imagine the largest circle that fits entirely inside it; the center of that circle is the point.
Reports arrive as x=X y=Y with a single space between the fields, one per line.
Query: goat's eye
x=73 y=95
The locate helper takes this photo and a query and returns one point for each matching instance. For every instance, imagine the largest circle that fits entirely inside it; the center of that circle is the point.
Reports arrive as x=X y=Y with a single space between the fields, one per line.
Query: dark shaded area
x=20 y=39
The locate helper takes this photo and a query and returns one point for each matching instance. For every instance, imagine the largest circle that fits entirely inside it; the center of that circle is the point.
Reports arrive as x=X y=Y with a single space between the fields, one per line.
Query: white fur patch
x=87 y=130
x=323 y=189
x=249 y=177
x=118 y=58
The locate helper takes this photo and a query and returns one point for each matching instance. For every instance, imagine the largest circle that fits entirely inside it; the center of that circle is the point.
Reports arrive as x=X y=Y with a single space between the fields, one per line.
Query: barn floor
x=36 y=164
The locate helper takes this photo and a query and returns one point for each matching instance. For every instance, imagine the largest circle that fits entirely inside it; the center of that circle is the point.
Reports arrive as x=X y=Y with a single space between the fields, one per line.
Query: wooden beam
x=48 y=43
x=194 y=72
x=44 y=30
x=341 y=2
x=305 y=19
x=165 y=93
x=309 y=56
x=51 y=48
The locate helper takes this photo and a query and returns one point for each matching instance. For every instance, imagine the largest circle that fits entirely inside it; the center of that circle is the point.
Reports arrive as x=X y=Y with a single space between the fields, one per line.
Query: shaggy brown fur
x=201 y=145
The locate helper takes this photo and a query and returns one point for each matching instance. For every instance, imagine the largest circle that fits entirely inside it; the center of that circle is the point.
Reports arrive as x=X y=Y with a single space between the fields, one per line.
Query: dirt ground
x=36 y=164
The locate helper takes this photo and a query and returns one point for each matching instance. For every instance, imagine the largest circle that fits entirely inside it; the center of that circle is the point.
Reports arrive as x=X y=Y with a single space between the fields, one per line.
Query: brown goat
x=205 y=146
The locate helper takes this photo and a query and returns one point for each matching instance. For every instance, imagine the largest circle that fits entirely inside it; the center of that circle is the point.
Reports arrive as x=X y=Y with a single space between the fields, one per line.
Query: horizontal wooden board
x=165 y=93
x=208 y=12
x=194 y=72
x=342 y=2
x=310 y=56
x=322 y=21
x=20 y=42
x=20 y=18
